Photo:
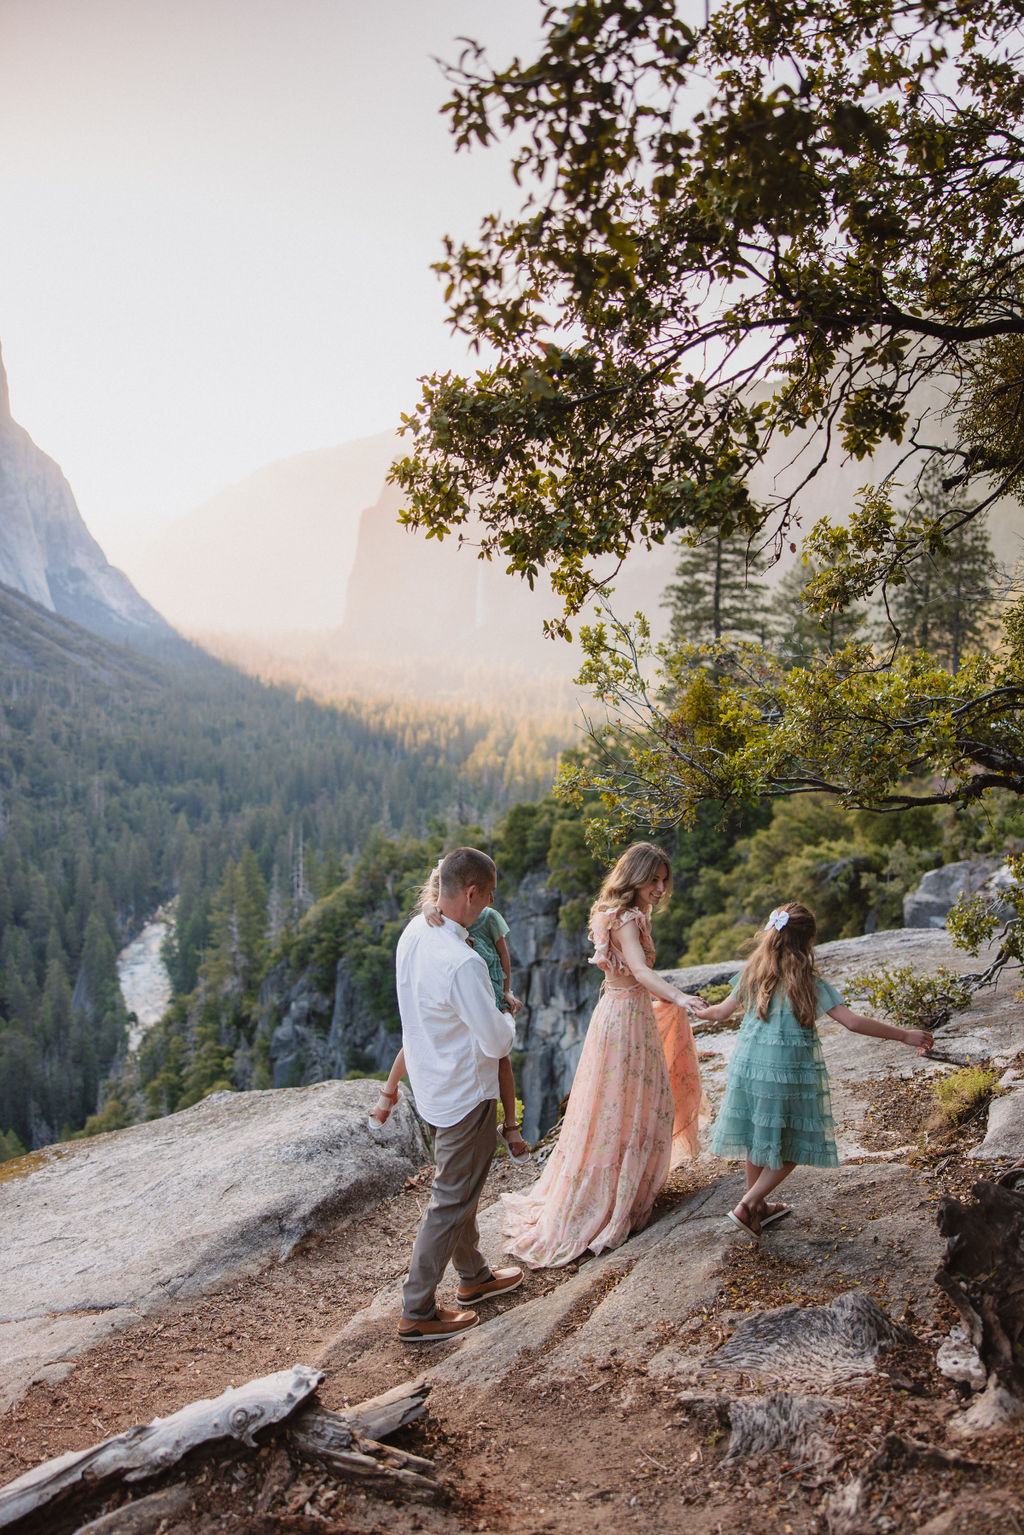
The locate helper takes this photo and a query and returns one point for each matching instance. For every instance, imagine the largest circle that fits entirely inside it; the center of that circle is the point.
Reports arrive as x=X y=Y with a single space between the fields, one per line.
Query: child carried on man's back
x=777 y=1112
x=488 y=937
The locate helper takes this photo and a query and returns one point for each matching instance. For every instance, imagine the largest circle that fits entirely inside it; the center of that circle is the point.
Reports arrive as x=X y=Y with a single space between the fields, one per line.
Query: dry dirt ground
x=615 y=1453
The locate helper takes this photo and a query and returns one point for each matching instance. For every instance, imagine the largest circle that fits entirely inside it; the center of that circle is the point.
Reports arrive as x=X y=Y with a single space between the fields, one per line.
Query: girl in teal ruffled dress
x=776 y=1112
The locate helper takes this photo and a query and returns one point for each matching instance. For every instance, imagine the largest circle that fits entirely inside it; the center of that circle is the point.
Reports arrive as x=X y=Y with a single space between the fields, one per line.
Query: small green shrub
x=10 y=1146
x=963 y=1092
x=113 y=1116
x=713 y=994
x=911 y=1000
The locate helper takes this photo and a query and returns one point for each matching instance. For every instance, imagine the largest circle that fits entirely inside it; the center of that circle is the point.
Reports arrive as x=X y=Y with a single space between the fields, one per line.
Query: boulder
x=1005 y=1134
x=940 y=889
x=100 y=1231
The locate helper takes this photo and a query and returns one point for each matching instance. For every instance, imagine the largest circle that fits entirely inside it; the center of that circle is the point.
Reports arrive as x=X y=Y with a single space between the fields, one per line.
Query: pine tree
x=252 y=914
x=275 y=908
x=302 y=895
x=238 y=929
x=798 y=634
x=222 y=969
x=715 y=594
x=948 y=603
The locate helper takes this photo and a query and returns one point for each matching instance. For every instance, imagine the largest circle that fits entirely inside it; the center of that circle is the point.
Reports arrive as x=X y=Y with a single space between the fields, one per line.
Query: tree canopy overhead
x=802 y=217
x=796 y=225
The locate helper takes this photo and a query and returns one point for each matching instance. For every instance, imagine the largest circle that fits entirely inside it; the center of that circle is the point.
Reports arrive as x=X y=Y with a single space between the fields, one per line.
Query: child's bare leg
x=760 y=1183
x=388 y=1095
x=511 y=1133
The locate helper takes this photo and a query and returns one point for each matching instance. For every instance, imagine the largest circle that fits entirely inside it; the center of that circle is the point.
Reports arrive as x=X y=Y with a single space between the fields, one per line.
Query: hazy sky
x=218 y=222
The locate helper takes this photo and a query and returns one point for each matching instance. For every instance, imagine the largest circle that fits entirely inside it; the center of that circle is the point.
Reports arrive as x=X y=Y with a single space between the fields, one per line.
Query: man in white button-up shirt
x=453 y=1036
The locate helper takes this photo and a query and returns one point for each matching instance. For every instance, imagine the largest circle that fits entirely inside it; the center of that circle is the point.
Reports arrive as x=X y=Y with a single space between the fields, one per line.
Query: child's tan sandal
x=522 y=1156
x=381 y=1111
x=747 y=1221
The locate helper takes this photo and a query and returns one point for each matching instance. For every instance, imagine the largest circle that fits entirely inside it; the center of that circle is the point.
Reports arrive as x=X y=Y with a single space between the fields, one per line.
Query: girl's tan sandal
x=750 y=1227
x=381 y=1111
x=520 y=1158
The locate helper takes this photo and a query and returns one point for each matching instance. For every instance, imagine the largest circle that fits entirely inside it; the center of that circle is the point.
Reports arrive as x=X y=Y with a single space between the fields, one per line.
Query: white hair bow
x=777 y=920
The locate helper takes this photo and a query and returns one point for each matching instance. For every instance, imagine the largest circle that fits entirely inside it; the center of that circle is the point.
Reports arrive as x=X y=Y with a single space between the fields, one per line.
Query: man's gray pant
x=448 y=1230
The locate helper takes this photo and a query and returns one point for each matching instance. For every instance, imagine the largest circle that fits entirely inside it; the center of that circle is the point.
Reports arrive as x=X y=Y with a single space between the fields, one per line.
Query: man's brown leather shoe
x=445 y=1323
x=500 y=1281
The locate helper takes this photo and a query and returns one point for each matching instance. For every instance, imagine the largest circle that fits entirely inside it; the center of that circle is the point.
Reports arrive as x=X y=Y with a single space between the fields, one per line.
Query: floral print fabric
x=622 y=1129
x=603 y=927
x=690 y=1102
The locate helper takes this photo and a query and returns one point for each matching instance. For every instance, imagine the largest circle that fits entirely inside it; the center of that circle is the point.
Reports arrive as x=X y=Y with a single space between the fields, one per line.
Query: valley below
x=610 y=1394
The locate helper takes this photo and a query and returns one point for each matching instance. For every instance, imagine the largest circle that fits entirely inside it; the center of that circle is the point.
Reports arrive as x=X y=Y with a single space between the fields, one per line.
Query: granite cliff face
x=274 y=552
x=47 y=552
x=315 y=1035
x=552 y=973
x=488 y=615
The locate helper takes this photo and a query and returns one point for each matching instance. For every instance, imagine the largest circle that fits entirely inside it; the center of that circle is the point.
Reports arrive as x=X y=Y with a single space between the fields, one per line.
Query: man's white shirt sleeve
x=473 y=999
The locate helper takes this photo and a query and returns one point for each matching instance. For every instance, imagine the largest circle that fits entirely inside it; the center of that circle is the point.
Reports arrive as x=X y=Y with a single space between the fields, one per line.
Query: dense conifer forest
x=293 y=835
x=126 y=780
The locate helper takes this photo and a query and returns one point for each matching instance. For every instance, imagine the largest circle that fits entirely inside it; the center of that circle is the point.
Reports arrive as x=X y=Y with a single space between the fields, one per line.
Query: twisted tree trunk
x=983 y=1274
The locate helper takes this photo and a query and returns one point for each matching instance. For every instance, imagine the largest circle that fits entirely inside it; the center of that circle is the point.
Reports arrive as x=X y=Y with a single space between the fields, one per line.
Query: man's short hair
x=466 y=866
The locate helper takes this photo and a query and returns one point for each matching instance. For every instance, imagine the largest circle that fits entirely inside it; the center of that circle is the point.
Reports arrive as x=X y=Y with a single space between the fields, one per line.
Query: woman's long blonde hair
x=783 y=960
x=638 y=866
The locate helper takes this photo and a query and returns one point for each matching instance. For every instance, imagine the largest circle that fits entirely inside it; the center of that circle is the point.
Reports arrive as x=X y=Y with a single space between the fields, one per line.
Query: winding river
x=145 y=984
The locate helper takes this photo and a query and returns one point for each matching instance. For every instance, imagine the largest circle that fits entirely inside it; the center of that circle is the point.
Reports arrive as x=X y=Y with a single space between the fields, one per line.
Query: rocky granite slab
x=99 y=1232
x=870 y=1228
x=1005 y=1134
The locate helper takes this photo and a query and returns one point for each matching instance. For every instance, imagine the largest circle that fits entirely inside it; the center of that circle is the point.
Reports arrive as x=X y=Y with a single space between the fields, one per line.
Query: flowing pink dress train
x=633 y=1113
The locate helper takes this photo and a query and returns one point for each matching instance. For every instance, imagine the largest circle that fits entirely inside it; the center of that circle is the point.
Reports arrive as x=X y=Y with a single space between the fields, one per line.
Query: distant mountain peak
x=47 y=552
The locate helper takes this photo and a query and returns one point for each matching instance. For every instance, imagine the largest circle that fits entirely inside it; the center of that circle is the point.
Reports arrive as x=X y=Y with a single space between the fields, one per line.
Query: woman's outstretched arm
x=628 y=943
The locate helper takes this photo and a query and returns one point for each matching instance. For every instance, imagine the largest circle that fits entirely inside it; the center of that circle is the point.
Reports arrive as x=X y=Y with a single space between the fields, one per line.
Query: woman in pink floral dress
x=628 y=1122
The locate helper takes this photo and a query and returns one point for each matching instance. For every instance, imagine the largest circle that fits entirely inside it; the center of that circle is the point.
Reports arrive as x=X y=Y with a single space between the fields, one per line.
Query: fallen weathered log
x=332 y=1438
x=381 y=1415
x=339 y=1440
x=151 y=1447
x=982 y=1272
x=357 y=1463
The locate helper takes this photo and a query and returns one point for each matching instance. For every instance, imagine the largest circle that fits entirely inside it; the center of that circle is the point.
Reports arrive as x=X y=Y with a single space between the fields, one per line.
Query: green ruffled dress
x=777 y=1106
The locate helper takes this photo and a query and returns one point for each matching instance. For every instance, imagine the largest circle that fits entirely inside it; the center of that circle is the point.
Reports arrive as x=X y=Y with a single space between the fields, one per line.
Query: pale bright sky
x=218 y=222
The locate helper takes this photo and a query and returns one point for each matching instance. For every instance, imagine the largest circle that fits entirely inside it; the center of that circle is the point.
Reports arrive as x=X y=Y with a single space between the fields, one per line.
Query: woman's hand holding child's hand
x=692 y=1004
